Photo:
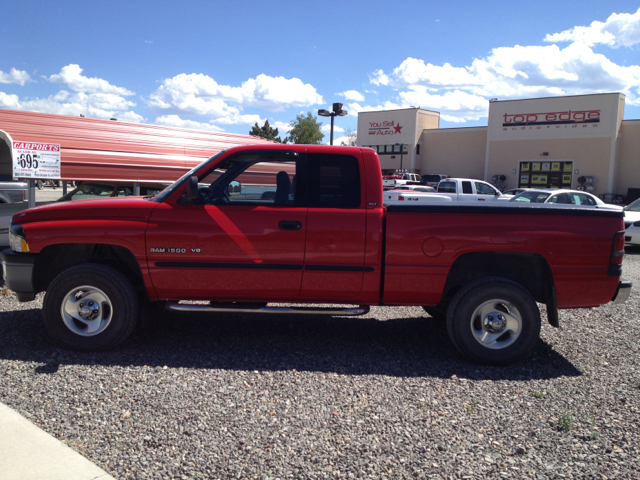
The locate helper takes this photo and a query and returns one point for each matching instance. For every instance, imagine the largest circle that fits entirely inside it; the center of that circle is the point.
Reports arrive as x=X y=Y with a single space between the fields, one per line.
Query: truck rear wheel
x=90 y=307
x=493 y=321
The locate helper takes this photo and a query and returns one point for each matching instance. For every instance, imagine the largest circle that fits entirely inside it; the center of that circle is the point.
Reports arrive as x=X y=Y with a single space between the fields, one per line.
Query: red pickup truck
x=303 y=224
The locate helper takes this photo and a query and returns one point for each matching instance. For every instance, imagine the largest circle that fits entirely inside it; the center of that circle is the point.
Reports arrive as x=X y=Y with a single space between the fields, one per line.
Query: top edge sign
x=36 y=160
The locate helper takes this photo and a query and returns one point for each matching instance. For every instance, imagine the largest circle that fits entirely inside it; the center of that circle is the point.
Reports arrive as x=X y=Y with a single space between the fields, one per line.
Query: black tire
x=436 y=313
x=39 y=184
x=116 y=315
x=495 y=342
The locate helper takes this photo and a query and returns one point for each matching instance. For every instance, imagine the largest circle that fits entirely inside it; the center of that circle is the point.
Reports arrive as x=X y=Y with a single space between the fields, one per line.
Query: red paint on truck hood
x=101 y=208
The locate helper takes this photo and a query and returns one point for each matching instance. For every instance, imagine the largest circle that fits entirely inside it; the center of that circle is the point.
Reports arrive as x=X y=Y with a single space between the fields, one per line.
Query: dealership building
x=557 y=142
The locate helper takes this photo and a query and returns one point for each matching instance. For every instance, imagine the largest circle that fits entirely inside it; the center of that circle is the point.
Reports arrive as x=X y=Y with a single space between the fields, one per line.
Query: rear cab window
x=333 y=181
x=447 y=187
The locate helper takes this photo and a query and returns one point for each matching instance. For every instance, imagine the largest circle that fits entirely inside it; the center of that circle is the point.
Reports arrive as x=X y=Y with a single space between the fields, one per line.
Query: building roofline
x=454 y=128
x=560 y=96
x=421 y=110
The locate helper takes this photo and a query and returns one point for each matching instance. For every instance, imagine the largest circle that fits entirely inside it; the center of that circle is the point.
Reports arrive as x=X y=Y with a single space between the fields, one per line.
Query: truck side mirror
x=192 y=188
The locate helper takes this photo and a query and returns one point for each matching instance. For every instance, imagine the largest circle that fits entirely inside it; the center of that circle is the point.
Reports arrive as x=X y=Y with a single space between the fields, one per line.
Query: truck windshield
x=166 y=193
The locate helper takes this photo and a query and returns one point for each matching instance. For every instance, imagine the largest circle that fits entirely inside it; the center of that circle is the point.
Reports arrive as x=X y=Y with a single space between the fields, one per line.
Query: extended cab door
x=486 y=193
x=243 y=237
x=458 y=190
x=336 y=225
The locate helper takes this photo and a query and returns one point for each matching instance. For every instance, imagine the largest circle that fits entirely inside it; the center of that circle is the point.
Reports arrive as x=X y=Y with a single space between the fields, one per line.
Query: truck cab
x=468 y=190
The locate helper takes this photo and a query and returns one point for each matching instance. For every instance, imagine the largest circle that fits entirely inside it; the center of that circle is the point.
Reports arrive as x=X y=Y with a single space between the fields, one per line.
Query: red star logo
x=398 y=128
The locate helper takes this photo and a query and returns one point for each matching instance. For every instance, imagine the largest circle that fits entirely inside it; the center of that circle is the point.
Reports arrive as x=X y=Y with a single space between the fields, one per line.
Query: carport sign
x=36 y=160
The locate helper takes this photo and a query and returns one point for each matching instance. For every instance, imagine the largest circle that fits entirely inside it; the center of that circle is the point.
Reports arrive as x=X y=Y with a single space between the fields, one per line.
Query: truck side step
x=248 y=308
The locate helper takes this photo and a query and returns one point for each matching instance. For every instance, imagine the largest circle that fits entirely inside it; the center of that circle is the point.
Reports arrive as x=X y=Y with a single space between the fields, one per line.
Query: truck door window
x=484 y=189
x=447 y=187
x=334 y=181
x=250 y=179
x=466 y=188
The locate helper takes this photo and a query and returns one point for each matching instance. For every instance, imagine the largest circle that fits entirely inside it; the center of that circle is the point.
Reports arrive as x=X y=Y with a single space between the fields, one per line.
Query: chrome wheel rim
x=86 y=311
x=496 y=324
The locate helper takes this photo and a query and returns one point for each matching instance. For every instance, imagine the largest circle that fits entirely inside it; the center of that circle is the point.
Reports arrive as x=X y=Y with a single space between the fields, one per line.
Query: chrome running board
x=240 y=308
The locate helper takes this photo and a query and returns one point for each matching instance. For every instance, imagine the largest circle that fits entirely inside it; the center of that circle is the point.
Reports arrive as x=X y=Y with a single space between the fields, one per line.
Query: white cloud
x=352 y=95
x=72 y=76
x=326 y=128
x=379 y=78
x=198 y=94
x=97 y=105
x=454 y=106
x=414 y=71
x=619 y=30
x=176 y=121
x=282 y=126
x=15 y=76
x=461 y=93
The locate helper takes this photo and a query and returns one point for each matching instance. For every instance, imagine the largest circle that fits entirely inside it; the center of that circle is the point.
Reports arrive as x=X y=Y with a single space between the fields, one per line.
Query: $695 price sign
x=36 y=160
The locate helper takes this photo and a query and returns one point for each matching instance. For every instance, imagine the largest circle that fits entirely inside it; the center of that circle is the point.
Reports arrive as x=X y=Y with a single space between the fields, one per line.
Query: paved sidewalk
x=28 y=453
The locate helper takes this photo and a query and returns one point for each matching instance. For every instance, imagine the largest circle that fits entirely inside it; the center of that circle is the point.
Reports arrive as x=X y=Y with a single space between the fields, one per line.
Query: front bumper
x=17 y=272
x=623 y=292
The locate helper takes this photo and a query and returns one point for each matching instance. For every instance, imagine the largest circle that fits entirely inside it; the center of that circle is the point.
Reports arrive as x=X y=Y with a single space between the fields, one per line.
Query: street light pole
x=331 y=137
x=337 y=112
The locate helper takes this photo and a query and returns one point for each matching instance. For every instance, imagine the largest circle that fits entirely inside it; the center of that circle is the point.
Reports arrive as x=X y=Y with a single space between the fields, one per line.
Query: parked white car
x=560 y=196
x=632 y=223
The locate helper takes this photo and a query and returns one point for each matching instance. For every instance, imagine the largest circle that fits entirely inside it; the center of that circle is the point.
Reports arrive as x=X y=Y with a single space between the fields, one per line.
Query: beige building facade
x=557 y=142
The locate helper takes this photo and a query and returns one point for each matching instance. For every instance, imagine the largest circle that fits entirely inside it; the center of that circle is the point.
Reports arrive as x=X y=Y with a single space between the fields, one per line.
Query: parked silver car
x=13 y=192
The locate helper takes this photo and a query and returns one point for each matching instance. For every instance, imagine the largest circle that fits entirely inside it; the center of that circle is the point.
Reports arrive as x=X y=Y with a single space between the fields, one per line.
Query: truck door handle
x=292 y=225
x=481 y=199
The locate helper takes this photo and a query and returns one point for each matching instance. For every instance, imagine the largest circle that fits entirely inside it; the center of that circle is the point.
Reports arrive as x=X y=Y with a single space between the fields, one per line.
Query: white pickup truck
x=409 y=179
x=469 y=190
x=412 y=197
x=391 y=181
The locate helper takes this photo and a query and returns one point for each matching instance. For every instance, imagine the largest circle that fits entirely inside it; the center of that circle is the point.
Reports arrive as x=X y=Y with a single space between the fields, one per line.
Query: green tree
x=266 y=131
x=305 y=129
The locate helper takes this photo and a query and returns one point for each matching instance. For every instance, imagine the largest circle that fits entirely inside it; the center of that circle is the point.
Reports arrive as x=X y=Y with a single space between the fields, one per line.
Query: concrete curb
x=27 y=452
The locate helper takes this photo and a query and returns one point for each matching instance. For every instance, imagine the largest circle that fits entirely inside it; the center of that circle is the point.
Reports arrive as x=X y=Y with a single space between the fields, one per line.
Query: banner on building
x=36 y=160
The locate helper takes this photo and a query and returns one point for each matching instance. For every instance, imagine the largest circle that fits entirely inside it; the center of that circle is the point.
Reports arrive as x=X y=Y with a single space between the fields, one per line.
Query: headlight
x=17 y=239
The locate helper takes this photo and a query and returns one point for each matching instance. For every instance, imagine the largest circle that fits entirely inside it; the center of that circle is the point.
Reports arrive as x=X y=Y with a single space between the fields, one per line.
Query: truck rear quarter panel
x=422 y=243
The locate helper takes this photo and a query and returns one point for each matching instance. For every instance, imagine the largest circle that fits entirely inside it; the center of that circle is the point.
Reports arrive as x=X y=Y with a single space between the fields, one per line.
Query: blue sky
x=222 y=66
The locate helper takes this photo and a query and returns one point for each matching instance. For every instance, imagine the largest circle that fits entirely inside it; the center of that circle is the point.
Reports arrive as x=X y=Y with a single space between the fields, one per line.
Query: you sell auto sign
x=36 y=160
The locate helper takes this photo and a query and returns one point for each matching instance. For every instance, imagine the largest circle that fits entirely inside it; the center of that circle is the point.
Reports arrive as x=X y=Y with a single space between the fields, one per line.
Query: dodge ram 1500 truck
x=304 y=224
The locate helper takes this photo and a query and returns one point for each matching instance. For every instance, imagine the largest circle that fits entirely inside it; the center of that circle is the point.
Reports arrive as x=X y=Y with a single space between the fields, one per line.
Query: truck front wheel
x=493 y=321
x=90 y=307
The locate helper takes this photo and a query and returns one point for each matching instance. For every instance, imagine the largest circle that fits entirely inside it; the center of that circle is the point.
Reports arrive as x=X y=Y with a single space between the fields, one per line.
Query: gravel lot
x=381 y=396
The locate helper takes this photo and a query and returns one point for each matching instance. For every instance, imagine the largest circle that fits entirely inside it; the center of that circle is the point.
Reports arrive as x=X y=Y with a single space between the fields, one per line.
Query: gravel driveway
x=381 y=396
